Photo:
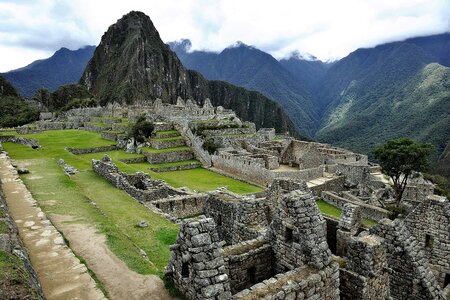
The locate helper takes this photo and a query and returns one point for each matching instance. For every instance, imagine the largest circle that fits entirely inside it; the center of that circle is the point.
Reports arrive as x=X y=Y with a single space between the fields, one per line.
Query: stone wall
x=367 y=211
x=409 y=275
x=297 y=233
x=92 y=150
x=300 y=283
x=354 y=174
x=163 y=144
x=109 y=135
x=365 y=275
x=248 y=263
x=429 y=223
x=197 y=267
x=140 y=185
x=182 y=206
x=165 y=157
x=19 y=140
x=335 y=184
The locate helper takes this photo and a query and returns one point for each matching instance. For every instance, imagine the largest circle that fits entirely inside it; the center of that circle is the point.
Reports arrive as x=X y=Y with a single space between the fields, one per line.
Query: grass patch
x=166 y=150
x=199 y=179
x=163 y=132
x=100 y=124
x=14 y=278
x=175 y=138
x=3 y=227
x=369 y=223
x=328 y=209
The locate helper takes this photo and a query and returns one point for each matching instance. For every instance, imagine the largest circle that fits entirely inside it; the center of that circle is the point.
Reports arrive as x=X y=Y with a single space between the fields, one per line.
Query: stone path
x=60 y=273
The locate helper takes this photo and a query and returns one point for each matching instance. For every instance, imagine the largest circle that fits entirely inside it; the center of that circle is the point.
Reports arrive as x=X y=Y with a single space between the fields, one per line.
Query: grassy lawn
x=92 y=200
x=328 y=209
x=14 y=278
x=175 y=138
x=163 y=132
x=334 y=212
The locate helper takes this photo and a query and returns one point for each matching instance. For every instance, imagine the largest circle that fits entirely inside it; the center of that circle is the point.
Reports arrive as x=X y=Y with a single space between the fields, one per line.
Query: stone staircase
x=168 y=150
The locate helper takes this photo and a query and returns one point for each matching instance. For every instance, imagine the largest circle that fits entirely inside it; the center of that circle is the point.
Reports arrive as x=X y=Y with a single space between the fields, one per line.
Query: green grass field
x=92 y=200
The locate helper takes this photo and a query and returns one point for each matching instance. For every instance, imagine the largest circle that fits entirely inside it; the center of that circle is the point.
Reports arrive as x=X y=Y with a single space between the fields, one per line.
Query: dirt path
x=119 y=280
x=60 y=273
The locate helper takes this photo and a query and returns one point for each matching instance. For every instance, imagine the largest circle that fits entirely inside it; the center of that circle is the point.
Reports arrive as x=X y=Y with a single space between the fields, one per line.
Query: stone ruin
x=275 y=244
x=284 y=252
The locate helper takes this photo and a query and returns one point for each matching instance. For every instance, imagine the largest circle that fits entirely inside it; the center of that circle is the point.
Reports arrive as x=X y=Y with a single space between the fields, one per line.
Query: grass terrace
x=174 y=149
x=168 y=139
x=90 y=199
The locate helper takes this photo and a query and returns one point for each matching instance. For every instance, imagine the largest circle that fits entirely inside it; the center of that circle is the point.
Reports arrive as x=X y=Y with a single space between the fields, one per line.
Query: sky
x=327 y=29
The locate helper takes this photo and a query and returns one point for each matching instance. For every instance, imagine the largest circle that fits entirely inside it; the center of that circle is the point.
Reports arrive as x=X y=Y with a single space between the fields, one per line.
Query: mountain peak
x=296 y=54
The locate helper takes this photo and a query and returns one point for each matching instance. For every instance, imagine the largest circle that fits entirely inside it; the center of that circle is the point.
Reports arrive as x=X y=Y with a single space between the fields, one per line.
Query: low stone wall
x=247 y=263
x=367 y=211
x=95 y=128
x=19 y=140
x=165 y=157
x=251 y=169
x=305 y=174
x=140 y=185
x=134 y=160
x=195 y=143
x=77 y=151
x=189 y=166
x=163 y=144
x=300 y=283
x=182 y=206
x=161 y=126
x=56 y=125
x=109 y=135
x=120 y=127
x=336 y=184
x=225 y=131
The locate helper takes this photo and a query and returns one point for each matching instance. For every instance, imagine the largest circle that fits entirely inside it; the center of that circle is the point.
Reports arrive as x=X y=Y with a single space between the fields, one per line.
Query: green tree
x=43 y=96
x=399 y=158
x=141 y=130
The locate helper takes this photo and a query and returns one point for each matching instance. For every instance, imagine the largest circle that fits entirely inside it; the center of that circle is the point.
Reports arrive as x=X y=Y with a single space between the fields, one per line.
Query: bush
x=210 y=146
x=141 y=130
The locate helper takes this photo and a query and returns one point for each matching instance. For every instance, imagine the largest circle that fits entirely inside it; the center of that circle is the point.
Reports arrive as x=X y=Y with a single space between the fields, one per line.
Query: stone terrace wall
x=335 y=184
x=409 y=276
x=367 y=211
x=247 y=263
x=429 y=223
x=77 y=151
x=19 y=140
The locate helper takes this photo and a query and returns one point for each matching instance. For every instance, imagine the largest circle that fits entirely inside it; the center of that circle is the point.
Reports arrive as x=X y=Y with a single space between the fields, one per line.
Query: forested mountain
x=14 y=111
x=392 y=90
x=254 y=69
x=370 y=96
x=63 y=67
x=132 y=63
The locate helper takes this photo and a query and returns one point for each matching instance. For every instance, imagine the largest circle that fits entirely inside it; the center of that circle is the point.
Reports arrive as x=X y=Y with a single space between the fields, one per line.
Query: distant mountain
x=132 y=63
x=399 y=89
x=254 y=69
x=63 y=67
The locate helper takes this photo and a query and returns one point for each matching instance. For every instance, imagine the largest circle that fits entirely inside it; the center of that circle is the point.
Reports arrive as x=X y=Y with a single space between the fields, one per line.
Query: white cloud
x=324 y=28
